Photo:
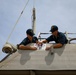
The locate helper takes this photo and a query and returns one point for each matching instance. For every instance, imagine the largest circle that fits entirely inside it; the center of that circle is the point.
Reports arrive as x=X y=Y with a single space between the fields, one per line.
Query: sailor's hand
x=39 y=43
x=48 y=48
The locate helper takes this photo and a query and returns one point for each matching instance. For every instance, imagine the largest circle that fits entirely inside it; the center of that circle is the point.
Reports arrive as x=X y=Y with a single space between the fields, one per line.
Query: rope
x=17 y=21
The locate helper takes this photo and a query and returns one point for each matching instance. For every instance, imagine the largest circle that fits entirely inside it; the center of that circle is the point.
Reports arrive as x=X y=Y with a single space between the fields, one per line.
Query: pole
x=33 y=21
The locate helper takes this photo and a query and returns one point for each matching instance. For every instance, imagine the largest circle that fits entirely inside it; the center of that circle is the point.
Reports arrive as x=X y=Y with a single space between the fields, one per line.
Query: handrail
x=69 y=39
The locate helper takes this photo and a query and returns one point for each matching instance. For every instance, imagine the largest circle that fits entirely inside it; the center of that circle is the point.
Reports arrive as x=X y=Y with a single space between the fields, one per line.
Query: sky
x=48 y=12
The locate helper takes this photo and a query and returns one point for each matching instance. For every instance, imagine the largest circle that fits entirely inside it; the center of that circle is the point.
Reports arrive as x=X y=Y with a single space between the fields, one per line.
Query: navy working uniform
x=27 y=41
x=61 y=38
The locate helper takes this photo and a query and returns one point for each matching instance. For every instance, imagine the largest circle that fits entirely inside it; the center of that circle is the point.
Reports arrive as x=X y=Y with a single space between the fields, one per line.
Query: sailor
x=29 y=39
x=56 y=36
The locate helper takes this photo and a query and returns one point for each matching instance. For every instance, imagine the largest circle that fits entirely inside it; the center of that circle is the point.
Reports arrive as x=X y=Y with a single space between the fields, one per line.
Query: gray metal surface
x=63 y=59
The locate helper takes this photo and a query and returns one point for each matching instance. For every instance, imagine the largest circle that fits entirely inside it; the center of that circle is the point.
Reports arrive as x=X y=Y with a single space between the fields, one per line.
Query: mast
x=34 y=20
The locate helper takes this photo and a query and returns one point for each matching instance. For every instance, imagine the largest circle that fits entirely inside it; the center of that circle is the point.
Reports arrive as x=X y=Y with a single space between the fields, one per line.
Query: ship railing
x=66 y=34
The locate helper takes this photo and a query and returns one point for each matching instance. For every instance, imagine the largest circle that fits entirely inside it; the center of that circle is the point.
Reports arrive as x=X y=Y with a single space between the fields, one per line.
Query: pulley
x=9 y=48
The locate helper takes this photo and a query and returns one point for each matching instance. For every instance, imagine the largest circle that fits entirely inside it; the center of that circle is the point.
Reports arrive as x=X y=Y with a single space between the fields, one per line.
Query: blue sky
x=48 y=12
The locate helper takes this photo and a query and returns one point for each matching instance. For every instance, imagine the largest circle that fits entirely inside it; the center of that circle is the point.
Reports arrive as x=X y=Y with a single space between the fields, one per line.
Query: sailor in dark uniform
x=29 y=39
x=56 y=36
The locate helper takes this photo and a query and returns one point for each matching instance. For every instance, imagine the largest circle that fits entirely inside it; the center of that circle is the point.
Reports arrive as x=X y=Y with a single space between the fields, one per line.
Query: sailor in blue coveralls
x=29 y=39
x=56 y=36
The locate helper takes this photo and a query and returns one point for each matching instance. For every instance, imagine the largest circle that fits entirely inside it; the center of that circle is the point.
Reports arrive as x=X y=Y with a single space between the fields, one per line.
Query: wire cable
x=17 y=21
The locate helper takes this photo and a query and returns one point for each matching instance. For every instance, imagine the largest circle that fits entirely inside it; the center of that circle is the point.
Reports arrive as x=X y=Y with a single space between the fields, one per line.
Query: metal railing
x=66 y=34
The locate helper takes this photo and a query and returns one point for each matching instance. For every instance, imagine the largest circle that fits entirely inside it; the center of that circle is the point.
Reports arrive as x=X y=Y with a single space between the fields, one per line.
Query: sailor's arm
x=58 y=45
x=22 y=47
